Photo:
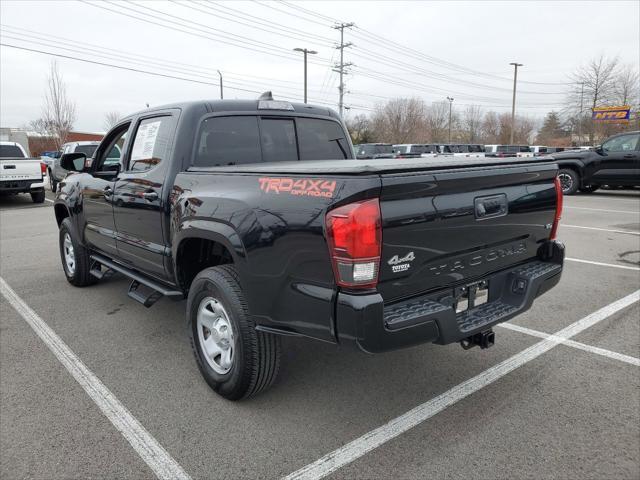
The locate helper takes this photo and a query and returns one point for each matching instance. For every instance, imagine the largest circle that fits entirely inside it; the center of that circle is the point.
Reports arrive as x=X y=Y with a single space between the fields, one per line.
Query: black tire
x=80 y=276
x=52 y=182
x=37 y=197
x=569 y=180
x=256 y=355
x=589 y=188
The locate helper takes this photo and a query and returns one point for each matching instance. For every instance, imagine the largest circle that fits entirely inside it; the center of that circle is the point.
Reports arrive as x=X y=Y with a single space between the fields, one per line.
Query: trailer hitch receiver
x=483 y=340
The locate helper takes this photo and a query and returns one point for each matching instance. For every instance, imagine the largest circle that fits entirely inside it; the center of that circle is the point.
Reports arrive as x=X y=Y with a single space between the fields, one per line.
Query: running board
x=142 y=289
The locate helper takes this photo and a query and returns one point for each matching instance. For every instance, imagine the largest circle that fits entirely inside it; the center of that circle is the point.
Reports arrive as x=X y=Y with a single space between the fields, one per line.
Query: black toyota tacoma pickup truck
x=615 y=163
x=257 y=213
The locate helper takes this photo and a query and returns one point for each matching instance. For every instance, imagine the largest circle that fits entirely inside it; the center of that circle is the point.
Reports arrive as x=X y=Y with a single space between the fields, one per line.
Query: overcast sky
x=439 y=49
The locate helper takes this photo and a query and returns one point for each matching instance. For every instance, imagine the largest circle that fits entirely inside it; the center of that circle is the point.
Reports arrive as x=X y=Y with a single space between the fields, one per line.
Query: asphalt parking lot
x=530 y=407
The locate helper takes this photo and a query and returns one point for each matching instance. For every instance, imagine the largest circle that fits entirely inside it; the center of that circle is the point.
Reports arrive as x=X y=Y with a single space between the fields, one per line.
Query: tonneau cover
x=375 y=166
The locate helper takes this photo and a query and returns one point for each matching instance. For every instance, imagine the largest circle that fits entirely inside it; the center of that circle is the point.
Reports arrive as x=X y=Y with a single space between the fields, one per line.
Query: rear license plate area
x=471 y=296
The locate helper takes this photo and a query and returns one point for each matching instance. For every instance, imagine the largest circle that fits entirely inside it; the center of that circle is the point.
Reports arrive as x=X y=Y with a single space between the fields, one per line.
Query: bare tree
x=627 y=86
x=360 y=129
x=491 y=128
x=58 y=112
x=437 y=122
x=471 y=124
x=593 y=86
x=400 y=120
x=110 y=119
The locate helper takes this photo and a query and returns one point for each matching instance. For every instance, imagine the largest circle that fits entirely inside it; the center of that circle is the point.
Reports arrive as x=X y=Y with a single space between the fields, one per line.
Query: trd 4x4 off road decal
x=305 y=187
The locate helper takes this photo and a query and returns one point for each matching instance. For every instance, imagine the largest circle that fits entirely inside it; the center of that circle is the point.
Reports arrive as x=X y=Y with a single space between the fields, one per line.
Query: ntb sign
x=611 y=114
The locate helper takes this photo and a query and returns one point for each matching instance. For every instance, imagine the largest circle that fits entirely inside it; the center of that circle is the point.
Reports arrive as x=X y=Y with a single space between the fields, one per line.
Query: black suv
x=615 y=163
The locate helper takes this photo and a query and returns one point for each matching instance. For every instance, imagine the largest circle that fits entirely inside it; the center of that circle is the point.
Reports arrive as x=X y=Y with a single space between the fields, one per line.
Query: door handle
x=628 y=155
x=151 y=196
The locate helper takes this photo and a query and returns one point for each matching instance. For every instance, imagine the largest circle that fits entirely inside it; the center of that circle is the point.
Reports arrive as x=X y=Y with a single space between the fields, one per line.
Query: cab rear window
x=242 y=139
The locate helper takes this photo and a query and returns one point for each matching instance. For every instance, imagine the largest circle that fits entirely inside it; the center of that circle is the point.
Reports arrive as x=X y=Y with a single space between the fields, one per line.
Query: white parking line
x=47 y=200
x=369 y=441
x=630 y=232
x=613 y=265
x=162 y=464
x=565 y=207
x=570 y=343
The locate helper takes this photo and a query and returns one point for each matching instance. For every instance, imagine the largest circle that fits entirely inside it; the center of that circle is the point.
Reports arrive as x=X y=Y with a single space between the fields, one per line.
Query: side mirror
x=599 y=150
x=74 y=162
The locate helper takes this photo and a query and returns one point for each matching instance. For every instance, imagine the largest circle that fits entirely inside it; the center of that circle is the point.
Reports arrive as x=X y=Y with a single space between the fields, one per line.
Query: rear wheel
x=52 y=182
x=568 y=180
x=236 y=360
x=589 y=188
x=75 y=258
x=37 y=197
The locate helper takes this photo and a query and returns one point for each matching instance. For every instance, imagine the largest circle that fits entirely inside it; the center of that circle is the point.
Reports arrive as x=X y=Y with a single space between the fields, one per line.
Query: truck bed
x=367 y=167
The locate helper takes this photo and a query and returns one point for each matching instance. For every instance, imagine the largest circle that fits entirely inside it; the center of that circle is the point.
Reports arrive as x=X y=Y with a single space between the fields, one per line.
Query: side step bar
x=142 y=289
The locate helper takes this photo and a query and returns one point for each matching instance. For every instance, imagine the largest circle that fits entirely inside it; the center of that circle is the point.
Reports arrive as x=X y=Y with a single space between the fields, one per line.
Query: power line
x=395 y=46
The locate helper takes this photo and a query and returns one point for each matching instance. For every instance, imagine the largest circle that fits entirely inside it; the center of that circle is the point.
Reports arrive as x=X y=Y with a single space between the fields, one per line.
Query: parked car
x=257 y=213
x=467 y=150
x=19 y=173
x=416 y=149
x=505 y=150
x=615 y=163
x=57 y=173
x=366 y=151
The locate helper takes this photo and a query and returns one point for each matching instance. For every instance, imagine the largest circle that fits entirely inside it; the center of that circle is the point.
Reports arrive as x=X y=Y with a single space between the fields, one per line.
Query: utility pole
x=580 y=115
x=513 y=104
x=450 y=105
x=221 y=95
x=310 y=52
x=340 y=68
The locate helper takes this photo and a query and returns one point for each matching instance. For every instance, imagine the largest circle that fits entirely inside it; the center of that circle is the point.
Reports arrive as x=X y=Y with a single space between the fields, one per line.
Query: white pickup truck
x=19 y=173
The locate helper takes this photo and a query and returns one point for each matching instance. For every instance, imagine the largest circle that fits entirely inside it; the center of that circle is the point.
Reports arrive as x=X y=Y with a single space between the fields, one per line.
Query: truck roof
x=241 y=106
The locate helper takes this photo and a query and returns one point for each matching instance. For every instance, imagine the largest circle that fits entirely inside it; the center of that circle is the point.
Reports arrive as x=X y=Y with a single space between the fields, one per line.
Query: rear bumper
x=21 y=186
x=374 y=327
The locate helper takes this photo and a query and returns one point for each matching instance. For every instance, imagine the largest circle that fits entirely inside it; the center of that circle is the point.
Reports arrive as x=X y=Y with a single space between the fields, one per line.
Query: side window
x=228 y=141
x=322 y=140
x=623 y=143
x=105 y=162
x=278 y=138
x=150 y=144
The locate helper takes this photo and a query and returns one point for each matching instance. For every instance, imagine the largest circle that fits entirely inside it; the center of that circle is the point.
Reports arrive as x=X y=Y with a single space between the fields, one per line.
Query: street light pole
x=450 y=105
x=221 y=94
x=513 y=104
x=310 y=52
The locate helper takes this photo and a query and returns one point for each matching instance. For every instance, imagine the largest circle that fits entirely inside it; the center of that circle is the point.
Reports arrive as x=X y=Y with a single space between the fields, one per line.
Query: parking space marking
x=601 y=210
x=613 y=265
x=155 y=456
x=570 y=343
x=50 y=201
x=369 y=441
x=630 y=232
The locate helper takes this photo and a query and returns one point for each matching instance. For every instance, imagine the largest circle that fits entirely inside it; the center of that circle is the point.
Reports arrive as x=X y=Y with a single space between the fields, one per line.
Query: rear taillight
x=556 y=220
x=43 y=168
x=354 y=234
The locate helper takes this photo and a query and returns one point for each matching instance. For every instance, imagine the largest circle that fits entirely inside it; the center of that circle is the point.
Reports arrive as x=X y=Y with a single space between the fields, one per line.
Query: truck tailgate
x=450 y=228
x=20 y=169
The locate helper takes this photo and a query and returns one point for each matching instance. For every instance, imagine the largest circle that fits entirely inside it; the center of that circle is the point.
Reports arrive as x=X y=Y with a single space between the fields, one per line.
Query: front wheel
x=52 y=182
x=569 y=181
x=235 y=359
x=75 y=258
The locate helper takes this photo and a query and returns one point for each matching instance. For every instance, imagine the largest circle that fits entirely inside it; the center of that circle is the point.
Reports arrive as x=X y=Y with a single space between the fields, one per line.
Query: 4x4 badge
x=401 y=264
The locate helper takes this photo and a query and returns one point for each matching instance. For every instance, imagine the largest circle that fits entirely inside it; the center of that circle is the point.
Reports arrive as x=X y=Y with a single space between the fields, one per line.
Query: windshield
x=11 y=151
